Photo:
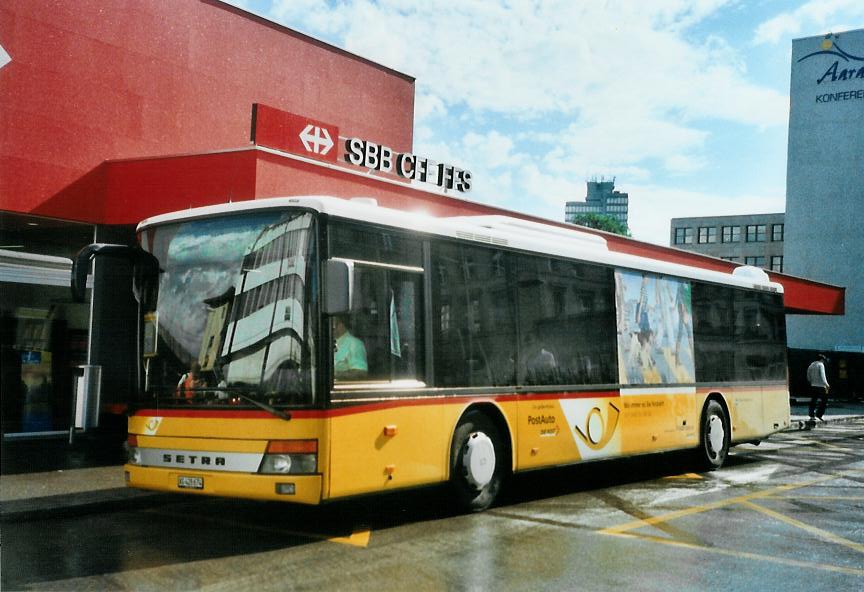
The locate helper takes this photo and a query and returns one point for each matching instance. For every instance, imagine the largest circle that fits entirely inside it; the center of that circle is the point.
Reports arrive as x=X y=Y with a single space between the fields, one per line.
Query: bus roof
x=501 y=231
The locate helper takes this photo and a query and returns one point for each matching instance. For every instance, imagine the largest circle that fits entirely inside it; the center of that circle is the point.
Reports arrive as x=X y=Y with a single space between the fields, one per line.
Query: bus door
x=383 y=434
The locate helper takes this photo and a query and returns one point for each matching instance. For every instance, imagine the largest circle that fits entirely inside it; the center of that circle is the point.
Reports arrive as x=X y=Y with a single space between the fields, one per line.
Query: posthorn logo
x=852 y=66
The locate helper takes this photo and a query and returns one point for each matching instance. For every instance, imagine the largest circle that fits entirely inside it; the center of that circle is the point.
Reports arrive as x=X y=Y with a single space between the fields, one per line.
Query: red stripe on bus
x=360 y=407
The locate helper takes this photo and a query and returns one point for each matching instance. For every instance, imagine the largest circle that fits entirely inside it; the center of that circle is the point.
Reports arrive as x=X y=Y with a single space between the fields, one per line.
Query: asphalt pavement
x=42 y=478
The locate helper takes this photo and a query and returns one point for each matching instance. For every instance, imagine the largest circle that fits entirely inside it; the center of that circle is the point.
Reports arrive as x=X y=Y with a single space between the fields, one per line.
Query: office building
x=602 y=198
x=754 y=239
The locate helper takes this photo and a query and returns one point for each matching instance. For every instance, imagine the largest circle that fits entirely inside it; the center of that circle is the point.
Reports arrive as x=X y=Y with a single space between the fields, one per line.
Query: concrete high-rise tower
x=825 y=184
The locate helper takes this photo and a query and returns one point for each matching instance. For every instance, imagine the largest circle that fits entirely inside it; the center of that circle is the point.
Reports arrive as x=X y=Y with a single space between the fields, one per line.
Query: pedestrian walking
x=818 y=387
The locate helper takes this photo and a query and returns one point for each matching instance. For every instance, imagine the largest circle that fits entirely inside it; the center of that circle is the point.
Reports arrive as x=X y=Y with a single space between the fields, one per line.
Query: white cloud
x=427 y=106
x=817 y=16
x=492 y=149
x=527 y=59
x=627 y=141
x=536 y=97
x=310 y=16
x=549 y=190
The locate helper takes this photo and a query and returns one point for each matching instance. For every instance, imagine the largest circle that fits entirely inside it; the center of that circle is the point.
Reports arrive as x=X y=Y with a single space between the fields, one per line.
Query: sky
x=684 y=103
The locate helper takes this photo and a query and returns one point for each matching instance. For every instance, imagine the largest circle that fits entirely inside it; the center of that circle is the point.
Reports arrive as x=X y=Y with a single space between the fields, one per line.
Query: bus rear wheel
x=714 y=437
x=478 y=462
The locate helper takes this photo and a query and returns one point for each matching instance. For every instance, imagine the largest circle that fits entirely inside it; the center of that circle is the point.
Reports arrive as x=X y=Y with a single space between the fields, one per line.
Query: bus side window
x=475 y=309
x=566 y=322
x=387 y=318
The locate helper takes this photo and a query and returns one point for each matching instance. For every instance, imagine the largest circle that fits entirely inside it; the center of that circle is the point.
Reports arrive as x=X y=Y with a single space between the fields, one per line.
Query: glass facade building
x=601 y=199
x=44 y=335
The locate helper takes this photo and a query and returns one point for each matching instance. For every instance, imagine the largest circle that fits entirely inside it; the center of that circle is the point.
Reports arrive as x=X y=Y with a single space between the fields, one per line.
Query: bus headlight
x=134 y=456
x=133 y=453
x=294 y=457
x=277 y=463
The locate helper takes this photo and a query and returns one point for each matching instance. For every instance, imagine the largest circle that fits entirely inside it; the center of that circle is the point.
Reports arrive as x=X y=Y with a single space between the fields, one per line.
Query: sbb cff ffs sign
x=294 y=133
x=315 y=139
x=374 y=156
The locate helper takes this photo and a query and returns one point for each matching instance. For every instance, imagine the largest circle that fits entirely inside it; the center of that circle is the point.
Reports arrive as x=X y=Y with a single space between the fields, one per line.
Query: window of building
x=730 y=258
x=731 y=234
x=777 y=232
x=777 y=263
x=707 y=234
x=45 y=338
x=755 y=233
x=758 y=261
x=683 y=236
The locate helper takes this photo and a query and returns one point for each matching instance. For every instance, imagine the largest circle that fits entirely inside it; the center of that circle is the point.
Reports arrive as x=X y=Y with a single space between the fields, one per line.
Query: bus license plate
x=190 y=482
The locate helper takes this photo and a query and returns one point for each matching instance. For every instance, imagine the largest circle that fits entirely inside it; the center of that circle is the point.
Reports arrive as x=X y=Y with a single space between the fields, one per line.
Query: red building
x=112 y=111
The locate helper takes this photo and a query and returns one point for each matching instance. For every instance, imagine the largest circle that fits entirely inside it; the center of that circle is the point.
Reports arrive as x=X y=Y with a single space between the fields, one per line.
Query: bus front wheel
x=714 y=437
x=477 y=462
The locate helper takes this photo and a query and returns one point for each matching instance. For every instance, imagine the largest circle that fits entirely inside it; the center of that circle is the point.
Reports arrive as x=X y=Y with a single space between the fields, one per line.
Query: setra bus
x=339 y=348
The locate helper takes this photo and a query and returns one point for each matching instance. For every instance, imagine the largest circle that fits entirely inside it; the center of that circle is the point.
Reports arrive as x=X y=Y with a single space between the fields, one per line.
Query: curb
x=797 y=425
x=78 y=504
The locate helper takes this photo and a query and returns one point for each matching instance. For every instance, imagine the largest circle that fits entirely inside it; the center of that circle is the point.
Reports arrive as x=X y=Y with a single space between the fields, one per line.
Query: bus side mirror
x=146 y=265
x=80 y=269
x=338 y=286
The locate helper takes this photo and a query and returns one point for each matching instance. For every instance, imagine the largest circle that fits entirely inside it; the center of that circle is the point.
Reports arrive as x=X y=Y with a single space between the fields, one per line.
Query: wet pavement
x=49 y=477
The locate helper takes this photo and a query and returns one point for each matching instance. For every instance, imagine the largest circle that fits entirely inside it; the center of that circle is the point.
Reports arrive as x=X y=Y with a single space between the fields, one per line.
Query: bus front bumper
x=301 y=489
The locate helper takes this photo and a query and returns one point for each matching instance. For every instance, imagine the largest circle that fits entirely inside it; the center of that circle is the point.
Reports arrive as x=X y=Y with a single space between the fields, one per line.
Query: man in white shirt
x=818 y=387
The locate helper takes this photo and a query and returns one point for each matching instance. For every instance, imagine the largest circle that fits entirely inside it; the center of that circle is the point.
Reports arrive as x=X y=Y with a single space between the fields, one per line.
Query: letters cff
x=381 y=158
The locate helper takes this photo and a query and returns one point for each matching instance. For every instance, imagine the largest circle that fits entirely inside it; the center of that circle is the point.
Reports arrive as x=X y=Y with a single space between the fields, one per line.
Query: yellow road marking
x=357 y=539
x=823 y=534
x=711 y=506
x=833 y=446
x=622 y=530
x=838 y=498
x=745 y=555
x=686 y=476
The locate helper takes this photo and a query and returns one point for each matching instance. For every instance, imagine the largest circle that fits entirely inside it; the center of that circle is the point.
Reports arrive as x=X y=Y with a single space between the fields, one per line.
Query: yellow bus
x=312 y=349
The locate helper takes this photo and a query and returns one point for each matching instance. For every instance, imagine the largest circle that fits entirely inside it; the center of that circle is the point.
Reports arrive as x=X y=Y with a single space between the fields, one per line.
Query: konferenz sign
x=840 y=73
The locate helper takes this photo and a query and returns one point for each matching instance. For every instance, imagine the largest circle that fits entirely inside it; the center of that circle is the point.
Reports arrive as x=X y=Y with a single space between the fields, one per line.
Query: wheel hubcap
x=716 y=435
x=479 y=460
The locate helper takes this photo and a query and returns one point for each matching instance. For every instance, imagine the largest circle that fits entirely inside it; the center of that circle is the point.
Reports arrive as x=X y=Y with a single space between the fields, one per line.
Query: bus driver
x=349 y=355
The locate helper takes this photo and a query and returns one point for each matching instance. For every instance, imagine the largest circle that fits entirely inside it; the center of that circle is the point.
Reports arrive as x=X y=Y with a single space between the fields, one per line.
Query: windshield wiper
x=229 y=392
x=261 y=405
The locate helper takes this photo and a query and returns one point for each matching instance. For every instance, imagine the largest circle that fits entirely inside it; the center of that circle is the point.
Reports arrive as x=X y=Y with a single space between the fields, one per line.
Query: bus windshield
x=227 y=321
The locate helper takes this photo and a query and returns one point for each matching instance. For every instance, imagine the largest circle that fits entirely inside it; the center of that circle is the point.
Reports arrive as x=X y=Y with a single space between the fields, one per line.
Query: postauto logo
x=851 y=68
